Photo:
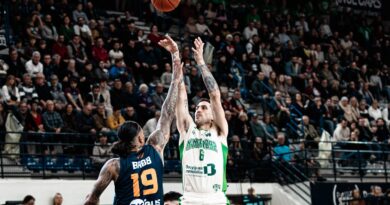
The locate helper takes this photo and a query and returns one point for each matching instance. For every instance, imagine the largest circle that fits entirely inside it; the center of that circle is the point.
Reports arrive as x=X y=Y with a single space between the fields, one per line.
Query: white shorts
x=191 y=198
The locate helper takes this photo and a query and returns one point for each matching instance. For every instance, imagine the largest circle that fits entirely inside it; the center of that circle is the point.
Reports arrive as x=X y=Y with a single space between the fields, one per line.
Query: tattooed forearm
x=208 y=79
x=162 y=134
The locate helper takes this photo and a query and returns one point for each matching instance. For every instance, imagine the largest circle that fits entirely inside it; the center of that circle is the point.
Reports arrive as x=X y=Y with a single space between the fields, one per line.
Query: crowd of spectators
x=282 y=67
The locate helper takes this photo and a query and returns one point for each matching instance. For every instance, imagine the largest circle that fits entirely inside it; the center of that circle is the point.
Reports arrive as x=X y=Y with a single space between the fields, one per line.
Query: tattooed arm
x=109 y=172
x=212 y=88
x=159 y=138
x=183 y=118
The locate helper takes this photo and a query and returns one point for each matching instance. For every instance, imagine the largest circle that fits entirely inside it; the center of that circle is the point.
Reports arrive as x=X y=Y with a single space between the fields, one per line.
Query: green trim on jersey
x=181 y=150
x=225 y=150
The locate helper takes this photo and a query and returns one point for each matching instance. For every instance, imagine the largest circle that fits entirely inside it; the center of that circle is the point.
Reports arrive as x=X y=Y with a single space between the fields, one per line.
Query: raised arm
x=159 y=138
x=212 y=88
x=183 y=118
x=108 y=173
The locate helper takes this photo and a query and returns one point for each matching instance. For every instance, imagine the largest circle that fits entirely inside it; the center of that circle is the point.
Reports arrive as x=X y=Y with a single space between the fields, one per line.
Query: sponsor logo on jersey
x=145 y=202
x=196 y=143
x=216 y=187
x=208 y=170
x=142 y=163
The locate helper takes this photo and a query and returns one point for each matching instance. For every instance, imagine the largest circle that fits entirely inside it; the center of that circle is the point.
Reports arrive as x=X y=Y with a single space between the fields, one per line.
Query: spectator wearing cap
x=151 y=124
x=73 y=94
x=34 y=66
x=257 y=130
x=115 y=120
x=101 y=151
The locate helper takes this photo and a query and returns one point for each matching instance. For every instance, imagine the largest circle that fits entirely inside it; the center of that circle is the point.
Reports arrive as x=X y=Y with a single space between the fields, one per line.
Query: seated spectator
x=27 y=90
x=69 y=119
x=95 y=97
x=281 y=150
x=34 y=66
x=43 y=90
x=257 y=130
x=386 y=115
x=79 y=13
x=154 y=36
x=49 y=31
x=115 y=53
x=100 y=119
x=158 y=96
x=76 y=51
x=100 y=54
x=53 y=123
x=117 y=94
x=347 y=109
x=66 y=29
x=82 y=29
x=34 y=123
x=342 y=132
x=115 y=120
x=166 y=77
x=309 y=133
x=130 y=114
x=145 y=104
x=10 y=91
x=202 y=28
x=383 y=133
x=119 y=71
x=59 y=48
x=237 y=103
x=73 y=94
x=374 y=110
x=57 y=92
x=101 y=151
x=151 y=124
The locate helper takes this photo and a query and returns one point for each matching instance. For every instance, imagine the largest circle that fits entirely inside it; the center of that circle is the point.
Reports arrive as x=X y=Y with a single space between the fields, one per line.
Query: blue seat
x=71 y=164
x=34 y=163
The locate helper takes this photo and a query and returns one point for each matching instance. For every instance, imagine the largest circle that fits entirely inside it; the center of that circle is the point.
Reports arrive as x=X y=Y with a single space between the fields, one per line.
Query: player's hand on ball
x=169 y=44
x=198 y=51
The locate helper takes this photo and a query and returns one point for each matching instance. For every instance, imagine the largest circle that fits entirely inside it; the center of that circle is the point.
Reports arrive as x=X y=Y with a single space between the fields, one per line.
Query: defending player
x=203 y=143
x=138 y=172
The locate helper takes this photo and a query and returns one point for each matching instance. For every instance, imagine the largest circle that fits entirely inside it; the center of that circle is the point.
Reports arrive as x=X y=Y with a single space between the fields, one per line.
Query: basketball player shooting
x=203 y=143
x=138 y=172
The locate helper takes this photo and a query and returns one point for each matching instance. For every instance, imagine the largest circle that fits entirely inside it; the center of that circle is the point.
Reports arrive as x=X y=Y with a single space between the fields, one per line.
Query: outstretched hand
x=169 y=44
x=198 y=51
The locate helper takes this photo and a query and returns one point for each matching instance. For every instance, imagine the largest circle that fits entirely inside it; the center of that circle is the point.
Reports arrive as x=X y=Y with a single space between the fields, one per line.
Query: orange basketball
x=165 y=5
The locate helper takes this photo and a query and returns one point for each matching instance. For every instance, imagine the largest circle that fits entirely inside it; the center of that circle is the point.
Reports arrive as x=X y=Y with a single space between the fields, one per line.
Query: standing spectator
x=34 y=66
x=151 y=124
x=101 y=151
x=10 y=91
x=115 y=120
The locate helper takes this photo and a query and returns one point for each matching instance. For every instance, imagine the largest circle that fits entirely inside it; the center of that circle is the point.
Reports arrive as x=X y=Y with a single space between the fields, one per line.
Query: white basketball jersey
x=204 y=155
